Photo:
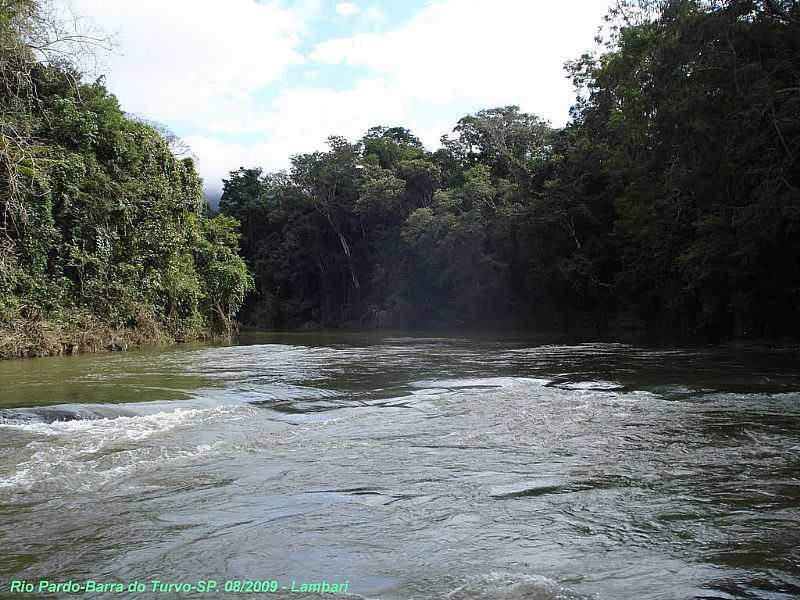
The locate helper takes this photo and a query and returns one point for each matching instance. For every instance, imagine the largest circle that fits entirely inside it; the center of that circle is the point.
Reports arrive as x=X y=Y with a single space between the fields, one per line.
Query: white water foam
x=86 y=454
x=507 y=586
x=480 y=382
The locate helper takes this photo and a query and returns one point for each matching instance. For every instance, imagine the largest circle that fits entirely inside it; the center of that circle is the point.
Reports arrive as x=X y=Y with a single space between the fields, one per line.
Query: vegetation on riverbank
x=670 y=201
x=31 y=337
x=104 y=238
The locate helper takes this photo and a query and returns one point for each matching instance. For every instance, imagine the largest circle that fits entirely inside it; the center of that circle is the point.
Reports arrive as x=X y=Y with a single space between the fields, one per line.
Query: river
x=408 y=467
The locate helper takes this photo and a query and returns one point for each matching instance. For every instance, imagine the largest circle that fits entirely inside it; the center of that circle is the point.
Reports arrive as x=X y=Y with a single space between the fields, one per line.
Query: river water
x=409 y=467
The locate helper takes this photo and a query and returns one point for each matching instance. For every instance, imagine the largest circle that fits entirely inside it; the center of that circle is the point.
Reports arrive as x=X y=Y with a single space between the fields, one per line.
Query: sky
x=252 y=82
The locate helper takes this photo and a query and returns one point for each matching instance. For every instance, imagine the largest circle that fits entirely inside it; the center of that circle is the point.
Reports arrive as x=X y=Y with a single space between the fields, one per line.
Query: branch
x=779 y=12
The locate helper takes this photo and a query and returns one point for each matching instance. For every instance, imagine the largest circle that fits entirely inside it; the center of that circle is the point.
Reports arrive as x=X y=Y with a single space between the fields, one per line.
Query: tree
x=329 y=180
x=99 y=220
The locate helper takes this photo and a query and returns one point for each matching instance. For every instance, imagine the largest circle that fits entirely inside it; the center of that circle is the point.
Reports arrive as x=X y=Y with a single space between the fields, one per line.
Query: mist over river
x=410 y=467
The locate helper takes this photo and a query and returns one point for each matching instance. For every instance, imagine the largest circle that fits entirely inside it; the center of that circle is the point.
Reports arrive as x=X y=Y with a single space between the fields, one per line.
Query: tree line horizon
x=669 y=202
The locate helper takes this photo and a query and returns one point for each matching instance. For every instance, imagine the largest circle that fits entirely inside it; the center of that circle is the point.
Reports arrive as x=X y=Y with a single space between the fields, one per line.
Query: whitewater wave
x=85 y=454
x=507 y=586
x=480 y=382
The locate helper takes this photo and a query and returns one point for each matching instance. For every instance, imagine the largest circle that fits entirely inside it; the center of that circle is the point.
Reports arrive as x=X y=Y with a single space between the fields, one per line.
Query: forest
x=104 y=236
x=669 y=203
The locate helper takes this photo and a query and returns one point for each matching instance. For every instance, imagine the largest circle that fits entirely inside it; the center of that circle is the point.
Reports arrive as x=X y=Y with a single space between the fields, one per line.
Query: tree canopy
x=670 y=200
x=97 y=215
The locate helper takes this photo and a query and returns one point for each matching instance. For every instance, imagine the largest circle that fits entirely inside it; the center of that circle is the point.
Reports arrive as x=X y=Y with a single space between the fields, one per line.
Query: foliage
x=671 y=198
x=98 y=215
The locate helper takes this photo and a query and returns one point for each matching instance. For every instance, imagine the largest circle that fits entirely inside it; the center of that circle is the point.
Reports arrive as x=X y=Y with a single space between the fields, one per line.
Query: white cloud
x=218 y=157
x=183 y=62
x=347 y=8
x=298 y=121
x=503 y=52
x=201 y=68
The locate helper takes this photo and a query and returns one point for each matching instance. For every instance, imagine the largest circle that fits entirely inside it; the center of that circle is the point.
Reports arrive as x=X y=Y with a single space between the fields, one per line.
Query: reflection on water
x=412 y=467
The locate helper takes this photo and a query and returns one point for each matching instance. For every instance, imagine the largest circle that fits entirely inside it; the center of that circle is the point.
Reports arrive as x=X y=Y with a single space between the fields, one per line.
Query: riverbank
x=34 y=337
x=39 y=337
x=563 y=330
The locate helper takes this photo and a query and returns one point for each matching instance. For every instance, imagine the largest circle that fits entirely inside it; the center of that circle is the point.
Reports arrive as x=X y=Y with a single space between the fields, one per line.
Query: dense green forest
x=669 y=202
x=104 y=238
